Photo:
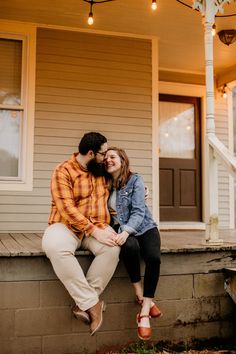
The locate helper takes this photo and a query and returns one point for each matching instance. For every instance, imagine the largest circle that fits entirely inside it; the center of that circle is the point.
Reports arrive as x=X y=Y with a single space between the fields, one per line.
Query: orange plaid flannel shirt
x=79 y=200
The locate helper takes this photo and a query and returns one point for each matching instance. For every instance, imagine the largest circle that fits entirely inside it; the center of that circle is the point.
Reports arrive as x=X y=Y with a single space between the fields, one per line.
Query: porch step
x=181 y=225
x=24 y=244
x=14 y=244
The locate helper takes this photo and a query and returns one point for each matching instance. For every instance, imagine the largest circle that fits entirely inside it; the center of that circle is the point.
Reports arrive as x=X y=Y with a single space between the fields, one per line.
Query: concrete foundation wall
x=36 y=318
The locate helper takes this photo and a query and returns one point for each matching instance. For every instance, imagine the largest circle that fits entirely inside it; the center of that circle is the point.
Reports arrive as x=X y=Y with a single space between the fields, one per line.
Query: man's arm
x=63 y=197
x=62 y=193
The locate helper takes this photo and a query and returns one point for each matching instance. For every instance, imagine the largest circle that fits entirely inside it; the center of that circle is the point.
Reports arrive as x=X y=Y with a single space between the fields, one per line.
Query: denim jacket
x=132 y=213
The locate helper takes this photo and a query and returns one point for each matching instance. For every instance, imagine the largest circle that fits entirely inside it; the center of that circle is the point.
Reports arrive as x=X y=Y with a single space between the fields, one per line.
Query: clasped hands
x=109 y=237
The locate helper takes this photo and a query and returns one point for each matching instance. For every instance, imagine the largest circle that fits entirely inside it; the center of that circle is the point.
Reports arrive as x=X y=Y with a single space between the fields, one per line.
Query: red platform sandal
x=144 y=333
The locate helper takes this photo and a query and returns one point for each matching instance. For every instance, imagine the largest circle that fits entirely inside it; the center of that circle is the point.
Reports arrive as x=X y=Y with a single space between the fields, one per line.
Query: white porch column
x=209 y=8
x=212 y=227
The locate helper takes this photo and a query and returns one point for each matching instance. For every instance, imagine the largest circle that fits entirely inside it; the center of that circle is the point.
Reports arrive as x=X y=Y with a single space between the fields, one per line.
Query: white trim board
x=182 y=225
x=83 y=30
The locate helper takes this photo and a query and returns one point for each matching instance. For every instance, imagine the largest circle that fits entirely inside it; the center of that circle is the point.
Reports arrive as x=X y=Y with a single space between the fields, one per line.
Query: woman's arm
x=137 y=207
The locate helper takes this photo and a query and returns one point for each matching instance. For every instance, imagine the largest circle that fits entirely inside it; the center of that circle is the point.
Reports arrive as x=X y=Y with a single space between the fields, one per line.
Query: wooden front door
x=180 y=158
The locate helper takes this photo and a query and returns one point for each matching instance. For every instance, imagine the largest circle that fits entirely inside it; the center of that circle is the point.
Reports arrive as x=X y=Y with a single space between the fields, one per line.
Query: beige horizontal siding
x=222 y=126
x=94 y=110
x=85 y=82
x=90 y=119
x=54 y=74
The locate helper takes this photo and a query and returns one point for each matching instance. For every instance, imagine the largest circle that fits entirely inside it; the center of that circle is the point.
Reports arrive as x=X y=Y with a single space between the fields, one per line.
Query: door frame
x=180 y=89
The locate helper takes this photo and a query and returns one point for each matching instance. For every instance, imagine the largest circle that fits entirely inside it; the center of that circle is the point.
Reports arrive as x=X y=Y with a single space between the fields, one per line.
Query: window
x=17 y=86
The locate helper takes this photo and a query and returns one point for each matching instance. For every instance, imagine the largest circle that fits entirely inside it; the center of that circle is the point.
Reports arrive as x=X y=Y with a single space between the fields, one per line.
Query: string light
x=154 y=5
x=90 y=19
x=224 y=91
x=213 y=30
x=93 y=2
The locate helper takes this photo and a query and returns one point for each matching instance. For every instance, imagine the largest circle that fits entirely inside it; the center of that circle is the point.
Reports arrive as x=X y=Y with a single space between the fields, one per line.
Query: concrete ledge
x=36 y=317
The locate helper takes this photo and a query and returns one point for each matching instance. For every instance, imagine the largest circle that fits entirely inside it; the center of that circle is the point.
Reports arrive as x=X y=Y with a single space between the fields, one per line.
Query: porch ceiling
x=180 y=30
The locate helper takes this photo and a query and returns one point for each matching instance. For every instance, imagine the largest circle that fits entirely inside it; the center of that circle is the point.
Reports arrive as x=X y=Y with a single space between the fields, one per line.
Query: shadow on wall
x=10 y=125
x=8 y=165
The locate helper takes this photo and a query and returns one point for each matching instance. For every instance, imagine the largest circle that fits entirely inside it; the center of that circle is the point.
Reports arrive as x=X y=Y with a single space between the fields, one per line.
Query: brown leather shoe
x=144 y=333
x=81 y=315
x=96 y=316
x=155 y=312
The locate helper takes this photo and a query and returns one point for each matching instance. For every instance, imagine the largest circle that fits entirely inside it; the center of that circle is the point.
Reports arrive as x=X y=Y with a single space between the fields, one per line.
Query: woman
x=137 y=234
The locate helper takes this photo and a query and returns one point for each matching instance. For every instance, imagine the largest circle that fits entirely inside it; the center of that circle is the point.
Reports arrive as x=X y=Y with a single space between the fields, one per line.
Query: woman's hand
x=106 y=236
x=121 y=238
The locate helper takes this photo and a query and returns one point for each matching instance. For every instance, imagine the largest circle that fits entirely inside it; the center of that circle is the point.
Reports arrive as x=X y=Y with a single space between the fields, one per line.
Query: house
x=138 y=77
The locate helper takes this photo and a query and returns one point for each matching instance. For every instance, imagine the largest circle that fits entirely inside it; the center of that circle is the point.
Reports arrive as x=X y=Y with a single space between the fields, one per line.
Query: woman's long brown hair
x=125 y=172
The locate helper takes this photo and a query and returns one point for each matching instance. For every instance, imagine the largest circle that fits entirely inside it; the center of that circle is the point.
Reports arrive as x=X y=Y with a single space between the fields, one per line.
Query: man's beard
x=97 y=169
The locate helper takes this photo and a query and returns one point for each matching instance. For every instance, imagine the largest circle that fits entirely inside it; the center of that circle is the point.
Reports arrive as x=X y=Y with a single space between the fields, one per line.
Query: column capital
x=215 y=5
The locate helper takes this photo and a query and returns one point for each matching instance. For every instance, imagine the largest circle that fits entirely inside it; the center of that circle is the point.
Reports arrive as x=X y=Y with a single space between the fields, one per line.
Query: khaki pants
x=60 y=244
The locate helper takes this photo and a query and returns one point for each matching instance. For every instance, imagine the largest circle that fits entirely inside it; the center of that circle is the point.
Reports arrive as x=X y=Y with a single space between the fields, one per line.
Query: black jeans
x=146 y=245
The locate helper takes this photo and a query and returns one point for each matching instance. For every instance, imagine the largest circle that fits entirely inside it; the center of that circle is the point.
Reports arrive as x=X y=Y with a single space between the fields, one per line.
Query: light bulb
x=154 y=5
x=90 y=19
x=224 y=91
x=213 y=30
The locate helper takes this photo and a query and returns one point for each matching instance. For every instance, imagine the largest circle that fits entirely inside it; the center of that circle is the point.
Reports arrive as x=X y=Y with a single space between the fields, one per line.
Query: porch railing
x=217 y=152
x=223 y=154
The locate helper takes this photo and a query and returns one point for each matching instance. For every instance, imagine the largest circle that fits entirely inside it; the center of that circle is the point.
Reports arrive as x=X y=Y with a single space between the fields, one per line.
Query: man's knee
x=56 y=244
x=51 y=249
x=114 y=252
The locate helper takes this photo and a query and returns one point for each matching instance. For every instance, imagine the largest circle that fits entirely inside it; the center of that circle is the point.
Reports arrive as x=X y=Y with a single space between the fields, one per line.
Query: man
x=80 y=218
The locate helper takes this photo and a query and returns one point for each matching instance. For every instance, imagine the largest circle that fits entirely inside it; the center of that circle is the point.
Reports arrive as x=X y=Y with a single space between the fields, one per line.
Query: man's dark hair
x=91 y=141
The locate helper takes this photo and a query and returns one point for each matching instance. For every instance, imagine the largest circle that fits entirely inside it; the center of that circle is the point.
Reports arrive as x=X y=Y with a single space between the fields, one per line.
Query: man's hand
x=121 y=238
x=106 y=236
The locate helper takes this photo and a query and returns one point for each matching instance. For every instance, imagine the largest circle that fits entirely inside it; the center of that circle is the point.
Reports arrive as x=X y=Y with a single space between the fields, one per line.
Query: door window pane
x=10 y=67
x=10 y=129
x=177 y=125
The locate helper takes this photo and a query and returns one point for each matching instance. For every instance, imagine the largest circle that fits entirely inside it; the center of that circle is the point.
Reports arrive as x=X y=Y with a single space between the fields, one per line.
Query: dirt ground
x=206 y=351
x=208 y=347
x=202 y=352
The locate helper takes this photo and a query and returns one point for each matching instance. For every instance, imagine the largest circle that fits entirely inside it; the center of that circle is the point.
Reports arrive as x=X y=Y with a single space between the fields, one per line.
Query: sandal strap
x=139 y=317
